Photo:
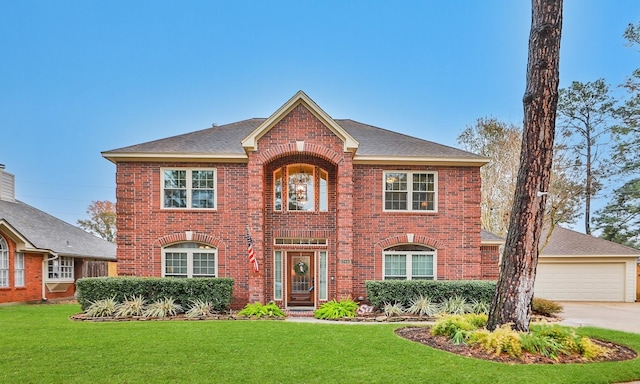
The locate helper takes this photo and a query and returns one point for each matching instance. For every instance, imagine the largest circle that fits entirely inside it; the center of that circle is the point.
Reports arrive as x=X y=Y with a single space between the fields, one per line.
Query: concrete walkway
x=618 y=316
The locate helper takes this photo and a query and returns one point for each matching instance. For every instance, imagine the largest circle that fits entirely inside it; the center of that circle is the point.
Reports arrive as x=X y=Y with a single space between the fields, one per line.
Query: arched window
x=4 y=263
x=306 y=188
x=409 y=262
x=189 y=260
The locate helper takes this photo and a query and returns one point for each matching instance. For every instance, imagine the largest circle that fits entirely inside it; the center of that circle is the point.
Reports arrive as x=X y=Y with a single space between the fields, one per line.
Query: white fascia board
x=191 y=157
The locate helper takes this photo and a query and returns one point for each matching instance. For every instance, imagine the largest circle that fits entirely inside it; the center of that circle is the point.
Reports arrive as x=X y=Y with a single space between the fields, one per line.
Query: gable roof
x=229 y=142
x=250 y=143
x=566 y=242
x=37 y=231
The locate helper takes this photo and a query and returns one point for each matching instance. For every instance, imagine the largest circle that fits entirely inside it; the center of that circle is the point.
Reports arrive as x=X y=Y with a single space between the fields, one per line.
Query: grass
x=39 y=344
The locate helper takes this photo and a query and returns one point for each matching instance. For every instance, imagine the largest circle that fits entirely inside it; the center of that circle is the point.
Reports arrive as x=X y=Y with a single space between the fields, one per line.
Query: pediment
x=250 y=143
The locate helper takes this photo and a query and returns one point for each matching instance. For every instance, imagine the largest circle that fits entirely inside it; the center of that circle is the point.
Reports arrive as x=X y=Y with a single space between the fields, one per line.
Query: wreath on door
x=300 y=268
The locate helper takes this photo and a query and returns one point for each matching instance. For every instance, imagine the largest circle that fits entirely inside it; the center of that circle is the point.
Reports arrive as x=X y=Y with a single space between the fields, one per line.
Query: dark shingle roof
x=46 y=232
x=565 y=242
x=226 y=140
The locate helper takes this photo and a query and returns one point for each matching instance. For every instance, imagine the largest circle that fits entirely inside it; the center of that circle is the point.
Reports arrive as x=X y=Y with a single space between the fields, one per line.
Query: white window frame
x=189 y=252
x=18 y=269
x=4 y=263
x=409 y=191
x=408 y=265
x=189 y=189
x=60 y=269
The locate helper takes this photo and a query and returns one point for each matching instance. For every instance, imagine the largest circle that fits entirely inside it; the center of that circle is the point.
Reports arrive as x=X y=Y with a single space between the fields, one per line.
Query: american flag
x=252 y=254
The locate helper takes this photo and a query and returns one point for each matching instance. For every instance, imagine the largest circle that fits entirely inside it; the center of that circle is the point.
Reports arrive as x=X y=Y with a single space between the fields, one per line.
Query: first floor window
x=277 y=275
x=18 y=269
x=189 y=188
x=60 y=268
x=409 y=262
x=189 y=260
x=4 y=263
x=409 y=191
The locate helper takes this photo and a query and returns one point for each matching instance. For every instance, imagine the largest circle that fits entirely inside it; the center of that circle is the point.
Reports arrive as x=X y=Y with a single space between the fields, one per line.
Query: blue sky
x=81 y=77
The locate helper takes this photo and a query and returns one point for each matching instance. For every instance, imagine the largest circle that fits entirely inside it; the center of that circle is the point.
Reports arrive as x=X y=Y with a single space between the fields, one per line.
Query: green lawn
x=39 y=344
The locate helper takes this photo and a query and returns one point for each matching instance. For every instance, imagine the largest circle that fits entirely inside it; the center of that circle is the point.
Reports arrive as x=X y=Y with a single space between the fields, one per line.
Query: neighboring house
x=329 y=203
x=573 y=266
x=41 y=256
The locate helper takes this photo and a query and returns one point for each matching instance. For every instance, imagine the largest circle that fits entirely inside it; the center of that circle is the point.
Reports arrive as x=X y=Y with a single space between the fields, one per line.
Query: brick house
x=41 y=256
x=329 y=204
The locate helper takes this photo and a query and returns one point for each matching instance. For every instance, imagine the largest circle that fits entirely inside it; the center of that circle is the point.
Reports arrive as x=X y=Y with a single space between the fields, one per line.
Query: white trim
x=419 y=160
x=164 y=157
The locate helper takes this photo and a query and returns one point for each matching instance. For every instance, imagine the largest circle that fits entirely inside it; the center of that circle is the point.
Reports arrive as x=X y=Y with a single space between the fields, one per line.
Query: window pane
x=395 y=266
x=395 y=200
x=277 y=276
x=202 y=183
x=4 y=263
x=323 y=192
x=395 y=181
x=19 y=269
x=277 y=190
x=422 y=266
x=175 y=264
x=204 y=265
x=175 y=179
x=323 y=275
x=301 y=188
x=175 y=198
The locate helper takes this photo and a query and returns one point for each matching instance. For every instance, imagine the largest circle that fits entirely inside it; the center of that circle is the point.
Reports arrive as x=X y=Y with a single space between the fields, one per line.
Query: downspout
x=45 y=265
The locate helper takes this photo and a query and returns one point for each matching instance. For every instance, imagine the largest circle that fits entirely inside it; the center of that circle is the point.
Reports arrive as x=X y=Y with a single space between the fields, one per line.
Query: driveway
x=619 y=316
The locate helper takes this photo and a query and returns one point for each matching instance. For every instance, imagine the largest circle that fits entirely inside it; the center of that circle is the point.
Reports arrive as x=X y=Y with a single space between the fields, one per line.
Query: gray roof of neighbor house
x=47 y=233
x=566 y=242
x=227 y=140
x=490 y=237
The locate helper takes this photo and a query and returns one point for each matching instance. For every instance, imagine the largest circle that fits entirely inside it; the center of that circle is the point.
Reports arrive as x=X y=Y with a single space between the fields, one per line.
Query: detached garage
x=573 y=266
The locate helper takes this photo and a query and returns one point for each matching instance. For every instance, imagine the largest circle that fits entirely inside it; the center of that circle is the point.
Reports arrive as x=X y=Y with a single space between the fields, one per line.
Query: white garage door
x=580 y=282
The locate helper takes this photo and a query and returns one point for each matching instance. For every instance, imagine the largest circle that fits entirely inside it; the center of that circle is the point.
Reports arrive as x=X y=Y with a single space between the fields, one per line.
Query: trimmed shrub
x=217 y=291
x=544 y=307
x=403 y=292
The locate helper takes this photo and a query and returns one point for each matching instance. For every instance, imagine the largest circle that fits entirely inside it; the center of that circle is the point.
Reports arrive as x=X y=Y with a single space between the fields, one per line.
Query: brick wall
x=355 y=226
x=32 y=291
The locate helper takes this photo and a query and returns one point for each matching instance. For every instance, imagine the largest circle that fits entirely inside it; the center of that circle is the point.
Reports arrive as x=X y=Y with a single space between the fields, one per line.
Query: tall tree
x=586 y=118
x=102 y=220
x=514 y=291
x=619 y=220
x=501 y=142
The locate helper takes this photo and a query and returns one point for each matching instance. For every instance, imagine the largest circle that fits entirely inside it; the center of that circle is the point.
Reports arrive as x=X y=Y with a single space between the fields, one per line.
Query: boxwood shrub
x=217 y=291
x=380 y=292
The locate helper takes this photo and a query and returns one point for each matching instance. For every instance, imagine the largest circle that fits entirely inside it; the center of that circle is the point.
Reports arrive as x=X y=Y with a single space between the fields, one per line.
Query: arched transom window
x=189 y=260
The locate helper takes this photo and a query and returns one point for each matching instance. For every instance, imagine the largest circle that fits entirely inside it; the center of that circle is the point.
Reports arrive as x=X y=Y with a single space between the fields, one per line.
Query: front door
x=300 y=289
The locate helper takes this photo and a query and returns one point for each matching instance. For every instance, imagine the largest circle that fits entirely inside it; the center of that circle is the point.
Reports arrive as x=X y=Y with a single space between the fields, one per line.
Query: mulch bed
x=423 y=335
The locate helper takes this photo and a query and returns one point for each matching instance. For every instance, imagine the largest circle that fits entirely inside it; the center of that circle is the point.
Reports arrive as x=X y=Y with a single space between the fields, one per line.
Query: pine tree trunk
x=514 y=292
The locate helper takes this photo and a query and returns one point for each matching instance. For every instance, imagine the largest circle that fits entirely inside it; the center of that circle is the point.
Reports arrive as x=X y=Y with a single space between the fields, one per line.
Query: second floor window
x=410 y=191
x=189 y=188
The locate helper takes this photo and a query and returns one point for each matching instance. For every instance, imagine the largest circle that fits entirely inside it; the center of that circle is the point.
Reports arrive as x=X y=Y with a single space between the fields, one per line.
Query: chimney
x=7 y=185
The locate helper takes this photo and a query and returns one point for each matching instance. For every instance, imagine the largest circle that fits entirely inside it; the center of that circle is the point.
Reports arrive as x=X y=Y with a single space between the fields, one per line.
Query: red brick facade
x=356 y=227
x=31 y=291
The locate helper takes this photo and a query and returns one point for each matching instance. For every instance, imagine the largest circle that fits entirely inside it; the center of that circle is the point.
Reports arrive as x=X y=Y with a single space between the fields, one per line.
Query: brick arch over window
x=404 y=239
x=195 y=237
x=291 y=149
